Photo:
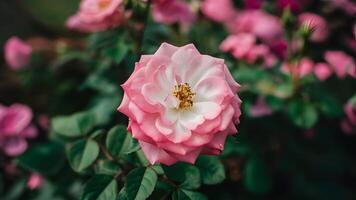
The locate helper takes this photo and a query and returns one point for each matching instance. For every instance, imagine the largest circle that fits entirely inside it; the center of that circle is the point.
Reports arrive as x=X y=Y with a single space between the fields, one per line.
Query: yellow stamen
x=184 y=94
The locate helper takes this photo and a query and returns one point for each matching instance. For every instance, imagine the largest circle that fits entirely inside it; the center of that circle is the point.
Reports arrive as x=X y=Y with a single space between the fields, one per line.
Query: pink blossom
x=172 y=11
x=97 y=15
x=35 y=181
x=180 y=104
x=348 y=125
x=322 y=71
x=219 y=10
x=293 y=5
x=261 y=24
x=260 y=108
x=317 y=24
x=253 y=4
x=243 y=46
x=15 y=128
x=302 y=68
x=341 y=63
x=17 y=53
x=347 y=6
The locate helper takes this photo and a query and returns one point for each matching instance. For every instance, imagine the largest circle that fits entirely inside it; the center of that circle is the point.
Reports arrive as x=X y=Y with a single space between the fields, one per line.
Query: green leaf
x=122 y=195
x=107 y=167
x=211 y=169
x=256 y=178
x=47 y=158
x=140 y=183
x=120 y=142
x=118 y=52
x=74 y=125
x=103 y=108
x=182 y=194
x=302 y=114
x=82 y=154
x=187 y=175
x=100 y=187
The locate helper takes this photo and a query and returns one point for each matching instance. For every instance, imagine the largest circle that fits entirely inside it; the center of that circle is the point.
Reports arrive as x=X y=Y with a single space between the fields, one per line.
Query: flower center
x=184 y=94
x=103 y=4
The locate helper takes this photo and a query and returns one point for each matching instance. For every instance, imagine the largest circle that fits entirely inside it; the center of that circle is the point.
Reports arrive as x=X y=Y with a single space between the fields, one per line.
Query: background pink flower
x=172 y=11
x=15 y=128
x=180 y=104
x=341 y=63
x=97 y=15
x=260 y=108
x=317 y=24
x=35 y=181
x=322 y=71
x=219 y=10
x=17 y=53
x=263 y=25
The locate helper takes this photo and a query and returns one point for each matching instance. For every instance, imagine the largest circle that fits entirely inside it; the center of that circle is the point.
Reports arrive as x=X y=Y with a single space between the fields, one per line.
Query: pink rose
x=265 y=26
x=180 y=104
x=304 y=67
x=97 y=15
x=322 y=71
x=347 y=6
x=341 y=63
x=243 y=46
x=253 y=4
x=17 y=53
x=317 y=24
x=172 y=11
x=35 y=181
x=260 y=108
x=15 y=128
x=348 y=125
x=293 y=5
x=219 y=10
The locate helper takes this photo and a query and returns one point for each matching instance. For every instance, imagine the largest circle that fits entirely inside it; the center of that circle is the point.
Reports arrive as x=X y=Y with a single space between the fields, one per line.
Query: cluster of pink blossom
x=17 y=53
x=15 y=129
x=100 y=15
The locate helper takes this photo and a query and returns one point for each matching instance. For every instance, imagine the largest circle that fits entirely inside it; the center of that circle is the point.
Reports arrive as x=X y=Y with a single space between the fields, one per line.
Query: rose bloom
x=35 y=181
x=180 y=104
x=172 y=11
x=15 y=128
x=17 y=53
x=322 y=71
x=97 y=15
x=263 y=25
x=348 y=125
x=219 y=10
x=317 y=24
x=243 y=46
x=302 y=68
x=341 y=63
x=260 y=108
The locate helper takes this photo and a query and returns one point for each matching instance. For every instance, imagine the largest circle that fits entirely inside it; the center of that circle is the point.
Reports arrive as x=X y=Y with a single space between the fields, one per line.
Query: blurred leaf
x=122 y=195
x=117 y=52
x=120 y=142
x=82 y=154
x=211 y=169
x=140 y=183
x=256 y=178
x=188 y=176
x=100 y=187
x=182 y=194
x=44 y=158
x=302 y=114
x=103 y=108
x=98 y=82
x=74 y=125
x=16 y=190
x=330 y=107
x=107 y=167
